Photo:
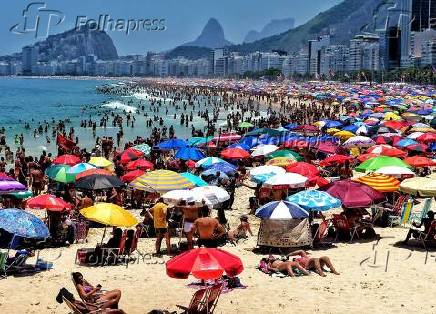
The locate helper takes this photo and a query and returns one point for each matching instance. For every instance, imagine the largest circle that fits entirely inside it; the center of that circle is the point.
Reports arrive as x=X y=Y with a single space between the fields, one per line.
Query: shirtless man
x=37 y=180
x=313 y=263
x=190 y=215
x=208 y=229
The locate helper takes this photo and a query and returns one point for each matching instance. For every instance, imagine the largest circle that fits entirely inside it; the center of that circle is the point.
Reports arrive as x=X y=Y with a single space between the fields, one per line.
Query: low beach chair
x=342 y=226
x=395 y=217
x=79 y=307
x=429 y=237
x=212 y=299
x=321 y=233
x=417 y=216
x=197 y=302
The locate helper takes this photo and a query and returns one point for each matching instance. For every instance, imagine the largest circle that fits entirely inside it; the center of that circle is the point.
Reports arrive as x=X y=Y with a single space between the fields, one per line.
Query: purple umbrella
x=11 y=187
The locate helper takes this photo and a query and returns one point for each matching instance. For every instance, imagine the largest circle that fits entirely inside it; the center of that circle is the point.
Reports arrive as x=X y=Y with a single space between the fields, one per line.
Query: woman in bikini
x=89 y=293
x=313 y=263
x=286 y=267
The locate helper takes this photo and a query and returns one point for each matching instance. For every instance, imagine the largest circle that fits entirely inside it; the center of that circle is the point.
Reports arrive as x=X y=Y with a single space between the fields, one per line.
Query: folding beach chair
x=395 y=217
x=407 y=212
x=79 y=307
x=419 y=215
x=197 y=302
x=429 y=237
x=212 y=299
x=321 y=233
x=342 y=226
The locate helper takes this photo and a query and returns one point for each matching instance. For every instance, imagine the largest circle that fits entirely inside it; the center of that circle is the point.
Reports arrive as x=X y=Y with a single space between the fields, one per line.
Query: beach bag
x=263 y=267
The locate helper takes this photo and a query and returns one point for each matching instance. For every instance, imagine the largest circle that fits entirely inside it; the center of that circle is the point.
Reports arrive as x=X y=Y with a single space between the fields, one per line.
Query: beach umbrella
x=109 y=214
x=354 y=194
x=79 y=168
x=386 y=150
x=11 y=186
x=419 y=161
x=417 y=148
x=314 y=200
x=222 y=167
x=60 y=173
x=21 y=195
x=98 y=182
x=132 y=175
x=421 y=186
x=263 y=150
x=175 y=196
x=334 y=160
x=303 y=168
x=130 y=154
x=380 y=182
x=140 y=164
x=281 y=161
x=204 y=264
x=94 y=171
x=23 y=224
x=292 y=180
x=245 y=125
x=405 y=142
x=358 y=141
x=197 y=141
x=208 y=161
x=49 y=202
x=69 y=160
x=395 y=171
x=327 y=148
x=285 y=153
x=234 y=153
x=100 y=162
x=196 y=180
x=427 y=138
x=227 y=137
x=376 y=163
x=281 y=210
x=161 y=181
x=344 y=135
x=144 y=148
x=263 y=173
x=396 y=125
x=189 y=153
x=213 y=195
x=173 y=143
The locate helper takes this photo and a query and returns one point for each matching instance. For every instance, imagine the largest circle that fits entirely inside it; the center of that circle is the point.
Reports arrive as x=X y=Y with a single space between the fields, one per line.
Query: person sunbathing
x=313 y=263
x=89 y=293
x=426 y=222
x=285 y=267
x=241 y=231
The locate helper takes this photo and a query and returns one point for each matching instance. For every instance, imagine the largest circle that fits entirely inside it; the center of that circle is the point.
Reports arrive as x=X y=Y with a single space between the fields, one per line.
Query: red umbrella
x=354 y=194
x=303 y=168
x=5 y=177
x=427 y=137
x=382 y=140
x=334 y=160
x=69 y=160
x=190 y=164
x=130 y=154
x=419 y=161
x=204 y=263
x=365 y=157
x=234 y=153
x=49 y=202
x=395 y=124
x=417 y=147
x=327 y=147
x=132 y=175
x=140 y=164
x=91 y=172
x=386 y=150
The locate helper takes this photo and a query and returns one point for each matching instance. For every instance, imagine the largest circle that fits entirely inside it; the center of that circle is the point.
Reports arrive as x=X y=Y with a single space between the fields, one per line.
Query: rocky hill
x=212 y=36
x=274 y=27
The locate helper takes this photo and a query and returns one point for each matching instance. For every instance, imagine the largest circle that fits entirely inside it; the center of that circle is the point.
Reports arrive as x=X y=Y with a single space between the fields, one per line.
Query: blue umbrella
x=196 y=180
x=405 y=142
x=189 y=153
x=172 y=143
x=315 y=200
x=196 y=140
x=240 y=145
x=223 y=167
x=281 y=210
x=332 y=124
x=262 y=178
x=22 y=224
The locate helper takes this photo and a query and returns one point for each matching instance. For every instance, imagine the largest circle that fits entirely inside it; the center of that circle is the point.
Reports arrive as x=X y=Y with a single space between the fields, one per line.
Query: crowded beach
x=242 y=196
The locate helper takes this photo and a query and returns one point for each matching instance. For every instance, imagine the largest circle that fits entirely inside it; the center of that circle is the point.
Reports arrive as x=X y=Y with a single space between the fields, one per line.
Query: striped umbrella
x=60 y=173
x=161 y=181
x=100 y=162
x=281 y=210
x=315 y=200
x=380 y=182
x=281 y=161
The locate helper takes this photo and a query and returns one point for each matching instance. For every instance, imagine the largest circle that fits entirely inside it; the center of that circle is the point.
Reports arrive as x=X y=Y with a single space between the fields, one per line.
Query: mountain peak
x=274 y=27
x=212 y=36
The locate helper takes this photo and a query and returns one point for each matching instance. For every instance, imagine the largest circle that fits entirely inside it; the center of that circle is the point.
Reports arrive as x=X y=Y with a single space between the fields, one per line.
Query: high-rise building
x=29 y=58
x=315 y=47
x=423 y=15
x=333 y=59
x=364 y=53
x=429 y=53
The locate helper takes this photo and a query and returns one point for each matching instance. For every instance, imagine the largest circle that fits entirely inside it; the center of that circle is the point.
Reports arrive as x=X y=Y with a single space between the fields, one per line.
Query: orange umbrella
x=380 y=182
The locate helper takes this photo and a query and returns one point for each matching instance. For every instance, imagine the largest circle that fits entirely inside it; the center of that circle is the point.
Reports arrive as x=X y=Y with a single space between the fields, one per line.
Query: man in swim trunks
x=313 y=263
x=208 y=229
x=190 y=214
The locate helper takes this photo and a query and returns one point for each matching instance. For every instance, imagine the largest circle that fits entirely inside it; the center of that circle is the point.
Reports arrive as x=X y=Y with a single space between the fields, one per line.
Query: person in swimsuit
x=87 y=292
x=209 y=230
x=286 y=267
x=313 y=263
x=241 y=231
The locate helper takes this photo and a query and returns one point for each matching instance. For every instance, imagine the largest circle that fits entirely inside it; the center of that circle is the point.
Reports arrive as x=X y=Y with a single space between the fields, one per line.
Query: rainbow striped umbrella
x=161 y=181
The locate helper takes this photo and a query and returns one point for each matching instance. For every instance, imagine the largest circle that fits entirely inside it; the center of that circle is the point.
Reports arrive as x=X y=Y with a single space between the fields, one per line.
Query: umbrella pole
x=104 y=234
x=10 y=245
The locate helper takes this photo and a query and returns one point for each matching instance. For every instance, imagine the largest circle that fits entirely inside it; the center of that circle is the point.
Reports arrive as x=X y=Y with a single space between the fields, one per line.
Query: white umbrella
x=415 y=135
x=358 y=141
x=293 y=180
x=174 y=196
x=213 y=195
x=395 y=171
x=267 y=170
x=263 y=150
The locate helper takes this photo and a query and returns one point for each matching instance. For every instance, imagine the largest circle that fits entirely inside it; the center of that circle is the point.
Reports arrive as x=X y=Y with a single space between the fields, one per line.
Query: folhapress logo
x=38 y=19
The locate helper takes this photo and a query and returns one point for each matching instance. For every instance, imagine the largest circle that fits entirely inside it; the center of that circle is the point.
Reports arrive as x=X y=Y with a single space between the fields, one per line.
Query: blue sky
x=184 y=19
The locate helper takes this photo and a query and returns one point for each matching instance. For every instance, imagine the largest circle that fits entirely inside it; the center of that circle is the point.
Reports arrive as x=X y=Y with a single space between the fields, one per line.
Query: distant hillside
x=342 y=21
x=212 y=36
x=274 y=27
x=189 y=52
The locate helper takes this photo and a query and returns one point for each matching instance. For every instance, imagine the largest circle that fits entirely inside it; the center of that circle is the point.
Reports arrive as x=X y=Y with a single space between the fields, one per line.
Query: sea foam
x=119 y=106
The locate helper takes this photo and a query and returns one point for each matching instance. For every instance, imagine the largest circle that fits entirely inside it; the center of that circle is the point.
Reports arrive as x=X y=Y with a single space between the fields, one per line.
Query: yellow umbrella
x=425 y=187
x=392 y=116
x=332 y=131
x=100 y=162
x=109 y=214
x=161 y=181
x=380 y=182
x=281 y=161
x=344 y=135
x=422 y=129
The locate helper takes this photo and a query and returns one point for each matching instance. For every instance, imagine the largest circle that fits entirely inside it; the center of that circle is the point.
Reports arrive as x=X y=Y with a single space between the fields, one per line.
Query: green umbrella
x=376 y=163
x=59 y=173
x=21 y=195
x=245 y=125
x=285 y=153
x=196 y=140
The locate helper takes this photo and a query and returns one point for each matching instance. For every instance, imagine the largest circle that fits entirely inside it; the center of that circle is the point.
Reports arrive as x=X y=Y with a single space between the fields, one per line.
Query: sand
x=406 y=285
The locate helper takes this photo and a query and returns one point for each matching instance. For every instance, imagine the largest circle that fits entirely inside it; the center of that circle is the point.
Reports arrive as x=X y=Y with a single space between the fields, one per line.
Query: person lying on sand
x=89 y=293
x=313 y=263
x=285 y=267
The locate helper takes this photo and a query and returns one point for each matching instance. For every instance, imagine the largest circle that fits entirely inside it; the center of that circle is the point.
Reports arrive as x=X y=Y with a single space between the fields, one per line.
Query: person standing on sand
x=209 y=230
x=159 y=215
